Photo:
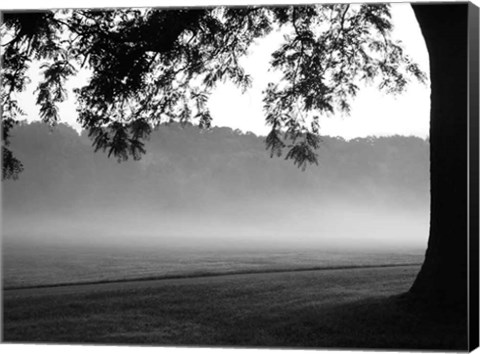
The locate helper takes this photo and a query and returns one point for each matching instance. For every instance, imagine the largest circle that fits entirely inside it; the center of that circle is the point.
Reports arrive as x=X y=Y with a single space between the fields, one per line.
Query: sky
x=373 y=113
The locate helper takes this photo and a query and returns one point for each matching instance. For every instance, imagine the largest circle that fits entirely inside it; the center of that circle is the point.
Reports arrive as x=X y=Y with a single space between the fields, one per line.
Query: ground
x=336 y=308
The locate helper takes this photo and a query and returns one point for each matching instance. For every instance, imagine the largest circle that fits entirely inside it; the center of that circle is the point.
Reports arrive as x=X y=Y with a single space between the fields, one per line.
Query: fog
x=247 y=226
x=217 y=190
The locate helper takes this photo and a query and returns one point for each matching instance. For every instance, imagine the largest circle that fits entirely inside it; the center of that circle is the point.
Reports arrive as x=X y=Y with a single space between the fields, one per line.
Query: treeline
x=189 y=168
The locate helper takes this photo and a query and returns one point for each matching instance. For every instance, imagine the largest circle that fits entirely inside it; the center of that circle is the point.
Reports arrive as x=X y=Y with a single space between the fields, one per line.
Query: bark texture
x=443 y=277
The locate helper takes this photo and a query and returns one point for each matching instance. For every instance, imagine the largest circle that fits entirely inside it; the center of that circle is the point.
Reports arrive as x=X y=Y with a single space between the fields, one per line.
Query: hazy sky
x=373 y=113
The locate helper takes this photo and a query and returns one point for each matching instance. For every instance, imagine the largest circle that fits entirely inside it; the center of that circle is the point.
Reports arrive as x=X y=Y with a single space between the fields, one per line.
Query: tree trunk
x=443 y=277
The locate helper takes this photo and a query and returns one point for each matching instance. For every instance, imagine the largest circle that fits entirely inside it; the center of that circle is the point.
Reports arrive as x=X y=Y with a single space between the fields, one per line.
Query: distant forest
x=186 y=167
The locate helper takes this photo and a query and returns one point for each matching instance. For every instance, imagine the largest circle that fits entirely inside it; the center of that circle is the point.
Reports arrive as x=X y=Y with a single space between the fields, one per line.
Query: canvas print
x=290 y=176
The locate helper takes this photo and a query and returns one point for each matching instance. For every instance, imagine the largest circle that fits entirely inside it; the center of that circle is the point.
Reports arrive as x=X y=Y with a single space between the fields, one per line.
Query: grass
x=347 y=308
x=46 y=264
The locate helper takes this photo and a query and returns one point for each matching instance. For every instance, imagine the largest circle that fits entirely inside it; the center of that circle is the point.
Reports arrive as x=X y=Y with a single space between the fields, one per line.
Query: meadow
x=41 y=264
x=341 y=308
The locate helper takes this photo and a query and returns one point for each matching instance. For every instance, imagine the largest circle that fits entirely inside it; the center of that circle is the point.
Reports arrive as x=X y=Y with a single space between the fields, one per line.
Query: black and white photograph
x=277 y=175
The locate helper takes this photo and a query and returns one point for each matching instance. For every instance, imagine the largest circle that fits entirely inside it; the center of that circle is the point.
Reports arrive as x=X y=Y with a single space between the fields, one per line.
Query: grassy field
x=343 y=308
x=48 y=264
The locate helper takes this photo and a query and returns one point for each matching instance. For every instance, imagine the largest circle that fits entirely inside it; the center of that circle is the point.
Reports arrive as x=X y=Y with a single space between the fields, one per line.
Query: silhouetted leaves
x=274 y=143
x=159 y=65
x=330 y=50
x=121 y=140
x=11 y=166
x=301 y=154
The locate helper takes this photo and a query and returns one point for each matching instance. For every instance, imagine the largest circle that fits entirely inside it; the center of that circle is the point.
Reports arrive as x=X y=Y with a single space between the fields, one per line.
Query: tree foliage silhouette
x=152 y=66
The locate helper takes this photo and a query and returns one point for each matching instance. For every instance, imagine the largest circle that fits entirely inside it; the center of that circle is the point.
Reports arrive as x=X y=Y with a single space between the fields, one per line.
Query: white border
x=101 y=349
x=45 y=4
